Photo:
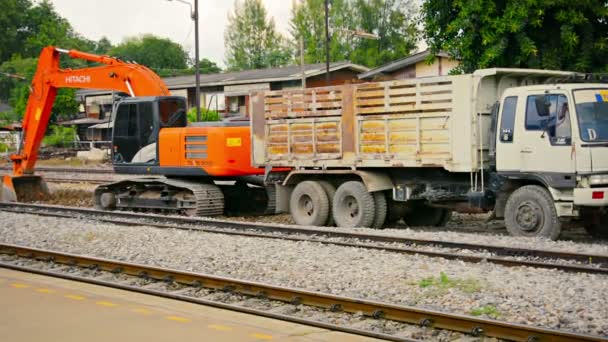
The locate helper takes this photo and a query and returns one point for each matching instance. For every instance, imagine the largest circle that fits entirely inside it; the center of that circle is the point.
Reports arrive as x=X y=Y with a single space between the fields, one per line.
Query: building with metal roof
x=411 y=67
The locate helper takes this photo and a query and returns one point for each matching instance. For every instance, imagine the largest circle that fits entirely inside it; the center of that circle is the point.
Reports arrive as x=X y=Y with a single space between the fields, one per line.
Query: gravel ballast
x=540 y=297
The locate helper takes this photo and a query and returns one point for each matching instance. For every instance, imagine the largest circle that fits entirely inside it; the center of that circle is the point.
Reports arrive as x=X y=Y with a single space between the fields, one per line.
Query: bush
x=206 y=115
x=60 y=136
x=4 y=148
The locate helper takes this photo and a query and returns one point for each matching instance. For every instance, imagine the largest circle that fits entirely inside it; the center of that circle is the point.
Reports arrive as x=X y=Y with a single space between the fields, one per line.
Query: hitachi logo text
x=78 y=79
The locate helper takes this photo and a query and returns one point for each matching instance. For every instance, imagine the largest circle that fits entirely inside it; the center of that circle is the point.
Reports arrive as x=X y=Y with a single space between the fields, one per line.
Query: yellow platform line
x=178 y=319
x=106 y=304
x=20 y=285
x=45 y=290
x=75 y=297
x=261 y=336
x=219 y=327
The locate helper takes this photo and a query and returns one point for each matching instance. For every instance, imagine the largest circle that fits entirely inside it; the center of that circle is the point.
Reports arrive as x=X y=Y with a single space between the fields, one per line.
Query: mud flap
x=23 y=188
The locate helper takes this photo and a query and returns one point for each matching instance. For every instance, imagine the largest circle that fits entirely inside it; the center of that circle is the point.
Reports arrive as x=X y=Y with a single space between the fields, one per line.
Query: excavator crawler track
x=161 y=194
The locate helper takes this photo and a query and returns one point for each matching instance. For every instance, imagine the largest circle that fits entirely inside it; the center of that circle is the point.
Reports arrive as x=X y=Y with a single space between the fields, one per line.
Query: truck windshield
x=592 y=112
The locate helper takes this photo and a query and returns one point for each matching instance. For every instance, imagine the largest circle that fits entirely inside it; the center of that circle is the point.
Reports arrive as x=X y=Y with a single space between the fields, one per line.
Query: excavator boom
x=112 y=74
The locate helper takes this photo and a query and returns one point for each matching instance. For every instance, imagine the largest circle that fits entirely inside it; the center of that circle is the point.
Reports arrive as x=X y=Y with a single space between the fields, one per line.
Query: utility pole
x=197 y=72
x=196 y=63
x=302 y=67
x=327 y=76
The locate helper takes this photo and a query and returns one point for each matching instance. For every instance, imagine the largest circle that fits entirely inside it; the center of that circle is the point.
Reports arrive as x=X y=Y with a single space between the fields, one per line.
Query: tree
x=154 y=52
x=103 y=46
x=207 y=67
x=29 y=27
x=13 y=20
x=251 y=39
x=551 y=34
x=391 y=20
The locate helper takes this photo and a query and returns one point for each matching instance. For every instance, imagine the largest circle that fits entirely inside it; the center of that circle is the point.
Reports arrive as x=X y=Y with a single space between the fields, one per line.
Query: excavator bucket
x=23 y=188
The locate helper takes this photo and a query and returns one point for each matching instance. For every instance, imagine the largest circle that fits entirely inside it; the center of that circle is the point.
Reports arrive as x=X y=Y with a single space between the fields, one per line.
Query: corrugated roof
x=400 y=63
x=288 y=73
x=81 y=121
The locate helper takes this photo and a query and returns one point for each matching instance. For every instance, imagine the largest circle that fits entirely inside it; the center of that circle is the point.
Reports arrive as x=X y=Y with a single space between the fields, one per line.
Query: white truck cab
x=552 y=146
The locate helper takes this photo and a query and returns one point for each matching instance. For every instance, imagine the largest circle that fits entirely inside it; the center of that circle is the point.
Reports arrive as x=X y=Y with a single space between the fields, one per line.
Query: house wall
x=337 y=78
x=441 y=67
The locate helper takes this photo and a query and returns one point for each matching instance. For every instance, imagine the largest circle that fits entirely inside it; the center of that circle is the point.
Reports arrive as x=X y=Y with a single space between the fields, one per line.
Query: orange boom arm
x=130 y=78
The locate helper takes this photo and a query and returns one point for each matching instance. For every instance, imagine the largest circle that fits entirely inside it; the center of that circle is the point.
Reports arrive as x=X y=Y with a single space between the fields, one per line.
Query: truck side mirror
x=543 y=105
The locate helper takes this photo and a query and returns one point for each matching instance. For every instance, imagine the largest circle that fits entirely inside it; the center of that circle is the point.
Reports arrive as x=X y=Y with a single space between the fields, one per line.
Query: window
x=146 y=117
x=556 y=124
x=125 y=124
x=132 y=128
x=507 y=121
x=172 y=113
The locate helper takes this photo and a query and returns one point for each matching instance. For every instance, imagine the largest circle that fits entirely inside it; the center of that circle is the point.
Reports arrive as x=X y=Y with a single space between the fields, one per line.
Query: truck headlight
x=598 y=180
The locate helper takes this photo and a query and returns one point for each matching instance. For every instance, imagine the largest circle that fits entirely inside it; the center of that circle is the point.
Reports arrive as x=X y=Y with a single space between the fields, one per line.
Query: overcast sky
x=117 y=19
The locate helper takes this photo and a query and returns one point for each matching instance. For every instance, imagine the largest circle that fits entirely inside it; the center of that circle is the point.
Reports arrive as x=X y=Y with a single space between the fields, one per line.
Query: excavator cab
x=137 y=123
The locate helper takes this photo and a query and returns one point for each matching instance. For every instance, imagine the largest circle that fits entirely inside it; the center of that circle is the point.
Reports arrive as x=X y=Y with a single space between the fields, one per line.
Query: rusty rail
x=405 y=314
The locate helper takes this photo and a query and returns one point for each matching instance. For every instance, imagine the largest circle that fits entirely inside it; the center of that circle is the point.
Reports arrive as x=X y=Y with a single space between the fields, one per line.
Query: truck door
x=545 y=139
x=507 y=149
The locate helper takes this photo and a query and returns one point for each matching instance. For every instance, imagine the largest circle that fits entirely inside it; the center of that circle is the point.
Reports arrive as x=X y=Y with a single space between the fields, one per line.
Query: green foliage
x=443 y=283
x=4 y=148
x=60 y=136
x=103 y=46
x=552 y=34
x=487 y=310
x=153 y=52
x=207 y=67
x=27 y=28
x=391 y=20
x=206 y=115
x=251 y=39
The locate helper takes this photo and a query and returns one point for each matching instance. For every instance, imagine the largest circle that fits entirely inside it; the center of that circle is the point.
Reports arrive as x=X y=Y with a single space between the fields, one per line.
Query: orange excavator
x=197 y=169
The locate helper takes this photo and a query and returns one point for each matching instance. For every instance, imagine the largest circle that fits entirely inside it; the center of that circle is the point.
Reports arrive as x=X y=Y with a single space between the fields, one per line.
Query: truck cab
x=552 y=157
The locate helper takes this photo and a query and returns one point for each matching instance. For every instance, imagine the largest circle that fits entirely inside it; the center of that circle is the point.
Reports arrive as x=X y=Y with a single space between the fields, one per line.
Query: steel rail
x=247 y=229
x=405 y=314
x=66 y=170
x=76 y=180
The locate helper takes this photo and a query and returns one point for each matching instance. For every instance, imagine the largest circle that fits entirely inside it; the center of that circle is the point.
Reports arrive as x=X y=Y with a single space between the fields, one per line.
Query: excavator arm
x=113 y=74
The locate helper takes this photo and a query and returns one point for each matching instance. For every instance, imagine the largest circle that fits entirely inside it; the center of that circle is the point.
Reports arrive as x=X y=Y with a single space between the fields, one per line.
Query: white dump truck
x=530 y=146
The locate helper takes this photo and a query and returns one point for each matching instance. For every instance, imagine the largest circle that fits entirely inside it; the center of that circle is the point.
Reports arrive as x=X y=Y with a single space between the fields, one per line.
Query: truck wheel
x=424 y=215
x=530 y=212
x=381 y=209
x=596 y=222
x=330 y=191
x=309 y=204
x=353 y=205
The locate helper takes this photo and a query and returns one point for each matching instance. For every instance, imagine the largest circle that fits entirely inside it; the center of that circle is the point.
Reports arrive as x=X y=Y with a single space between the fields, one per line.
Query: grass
x=487 y=310
x=442 y=283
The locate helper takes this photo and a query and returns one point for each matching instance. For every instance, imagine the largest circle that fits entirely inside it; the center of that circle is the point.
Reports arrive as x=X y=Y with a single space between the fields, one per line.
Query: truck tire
x=353 y=206
x=530 y=212
x=595 y=222
x=308 y=204
x=381 y=209
x=330 y=191
x=426 y=216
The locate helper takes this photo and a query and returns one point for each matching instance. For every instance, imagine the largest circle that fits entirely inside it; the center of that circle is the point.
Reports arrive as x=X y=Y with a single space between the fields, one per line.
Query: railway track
x=505 y=256
x=83 y=170
x=76 y=180
x=181 y=285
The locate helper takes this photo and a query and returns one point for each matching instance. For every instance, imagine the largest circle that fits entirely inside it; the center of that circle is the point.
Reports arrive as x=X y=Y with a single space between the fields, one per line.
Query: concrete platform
x=39 y=308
